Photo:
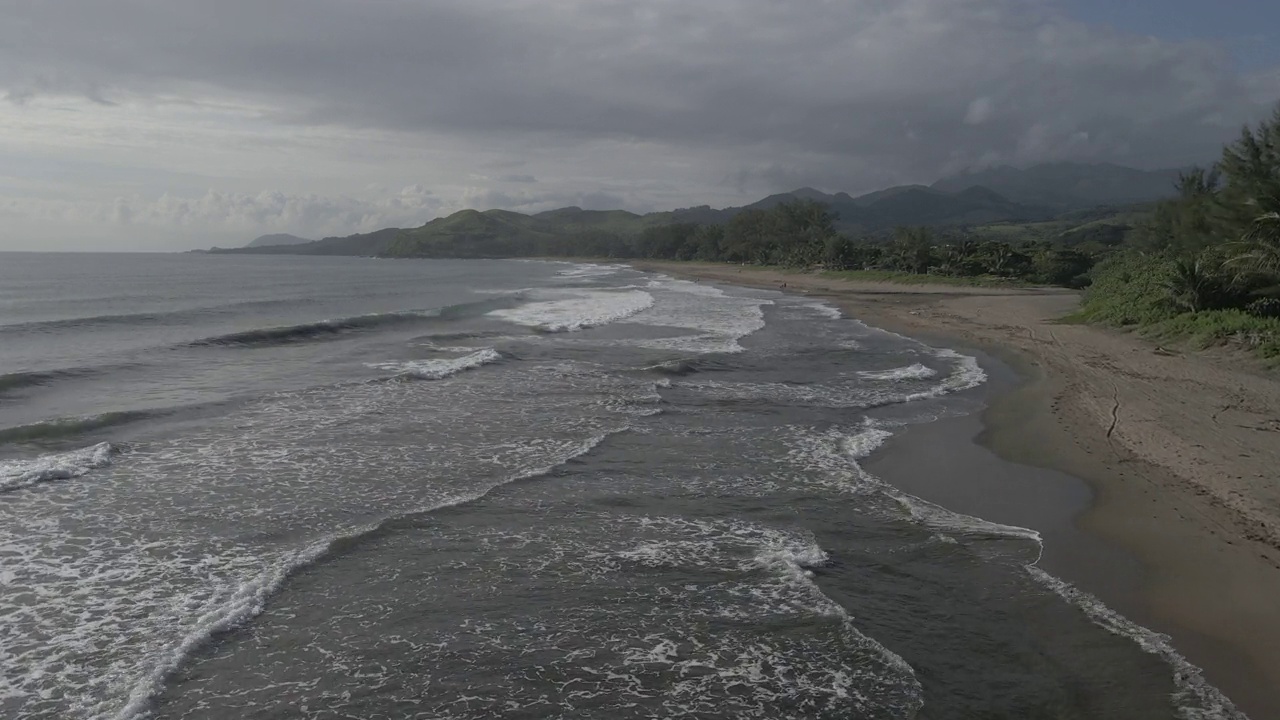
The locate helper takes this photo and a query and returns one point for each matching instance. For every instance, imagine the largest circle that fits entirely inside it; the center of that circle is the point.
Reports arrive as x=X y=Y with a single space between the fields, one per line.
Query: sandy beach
x=1181 y=450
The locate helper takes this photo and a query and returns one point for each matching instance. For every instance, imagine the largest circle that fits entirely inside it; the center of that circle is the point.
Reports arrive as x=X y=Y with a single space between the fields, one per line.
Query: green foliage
x=1130 y=289
x=906 y=278
x=1184 y=224
x=1065 y=267
x=1209 y=269
x=1235 y=328
x=1250 y=170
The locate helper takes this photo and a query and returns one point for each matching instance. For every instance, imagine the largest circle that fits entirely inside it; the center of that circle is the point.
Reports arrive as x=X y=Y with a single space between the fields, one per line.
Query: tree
x=1195 y=284
x=1250 y=170
x=911 y=250
x=839 y=253
x=1062 y=267
x=1258 y=252
x=1187 y=223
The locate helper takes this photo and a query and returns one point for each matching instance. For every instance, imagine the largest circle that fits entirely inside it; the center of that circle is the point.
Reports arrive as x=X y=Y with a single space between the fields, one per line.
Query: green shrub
x=1224 y=327
x=1129 y=289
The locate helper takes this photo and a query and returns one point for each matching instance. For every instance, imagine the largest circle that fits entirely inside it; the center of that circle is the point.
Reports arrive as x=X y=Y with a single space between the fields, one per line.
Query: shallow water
x=317 y=487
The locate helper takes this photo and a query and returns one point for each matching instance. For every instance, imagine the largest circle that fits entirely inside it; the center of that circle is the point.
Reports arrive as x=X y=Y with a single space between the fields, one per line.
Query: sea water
x=261 y=487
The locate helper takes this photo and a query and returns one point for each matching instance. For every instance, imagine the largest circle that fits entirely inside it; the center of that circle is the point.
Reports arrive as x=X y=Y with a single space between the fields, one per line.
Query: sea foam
x=438 y=369
x=917 y=371
x=582 y=309
x=15 y=474
x=1194 y=697
x=719 y=320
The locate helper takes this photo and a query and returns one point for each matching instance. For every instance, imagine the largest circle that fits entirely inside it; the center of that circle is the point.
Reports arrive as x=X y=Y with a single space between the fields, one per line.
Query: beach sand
x=1181 y=451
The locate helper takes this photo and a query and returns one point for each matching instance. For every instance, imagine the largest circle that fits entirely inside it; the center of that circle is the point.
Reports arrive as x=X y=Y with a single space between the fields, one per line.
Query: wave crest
x=441 y=368
x=16 y=474
x=585 y=309
x=36 y=378
x=917 y=371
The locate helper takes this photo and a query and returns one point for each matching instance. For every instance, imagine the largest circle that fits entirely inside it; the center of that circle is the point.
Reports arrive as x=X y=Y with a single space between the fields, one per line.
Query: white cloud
x=652 y=103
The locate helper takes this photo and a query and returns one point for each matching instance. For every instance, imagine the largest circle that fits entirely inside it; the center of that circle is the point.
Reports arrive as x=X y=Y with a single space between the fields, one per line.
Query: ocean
x=290 y=487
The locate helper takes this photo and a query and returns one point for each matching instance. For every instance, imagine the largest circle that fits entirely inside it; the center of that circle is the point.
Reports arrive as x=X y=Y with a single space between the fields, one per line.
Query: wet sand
x=1177 y=521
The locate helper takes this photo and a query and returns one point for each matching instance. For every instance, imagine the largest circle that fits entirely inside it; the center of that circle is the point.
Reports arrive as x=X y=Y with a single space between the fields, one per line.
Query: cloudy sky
x=172 y=124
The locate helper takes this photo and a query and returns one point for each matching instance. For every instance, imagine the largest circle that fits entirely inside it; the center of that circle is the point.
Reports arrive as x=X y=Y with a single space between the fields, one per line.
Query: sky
x=174 y=124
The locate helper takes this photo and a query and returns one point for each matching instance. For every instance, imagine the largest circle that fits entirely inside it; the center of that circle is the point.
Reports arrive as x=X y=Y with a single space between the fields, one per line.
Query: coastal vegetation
x=1205 y=265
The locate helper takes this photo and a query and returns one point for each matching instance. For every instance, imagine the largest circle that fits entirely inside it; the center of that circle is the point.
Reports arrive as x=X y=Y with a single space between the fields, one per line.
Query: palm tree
x=999 y=257
x=1195 y=284
x=1258 y=252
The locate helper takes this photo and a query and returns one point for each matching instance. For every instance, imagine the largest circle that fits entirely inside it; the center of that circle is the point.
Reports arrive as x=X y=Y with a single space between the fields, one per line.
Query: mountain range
x=996 y=195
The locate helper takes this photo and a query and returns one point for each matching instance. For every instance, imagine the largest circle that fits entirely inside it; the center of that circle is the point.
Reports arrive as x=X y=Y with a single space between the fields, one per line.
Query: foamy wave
x=860 y=445
x=589 y=270
x=965 y=375
x=247 y=602
x=968 y=373
x=836 y=455
x=833 y=457
x=584 y=310
x=250 y=598
x=774 y=577
x=825 y=310
x=16 y=474
x=917 y=371
x=719 y=319
x=939 y=518
x=1195 y=697
x=441 y=368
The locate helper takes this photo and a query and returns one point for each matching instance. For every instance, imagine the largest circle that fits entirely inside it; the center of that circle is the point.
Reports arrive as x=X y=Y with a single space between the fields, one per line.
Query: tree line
x=1206 y=264
x=802 y=234
x=1216 y=245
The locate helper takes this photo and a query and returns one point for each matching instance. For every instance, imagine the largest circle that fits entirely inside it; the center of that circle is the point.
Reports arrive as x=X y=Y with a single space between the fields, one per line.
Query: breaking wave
x=16 y=474
x=250 y=598
x=584 y=309
x=311 y=331
x=440 y=368
x=917 y=371
x=329 y=328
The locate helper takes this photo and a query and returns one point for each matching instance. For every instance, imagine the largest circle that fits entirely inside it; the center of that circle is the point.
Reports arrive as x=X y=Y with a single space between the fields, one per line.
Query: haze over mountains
x=1069 y=186
x=996 y=195
x=278 y=239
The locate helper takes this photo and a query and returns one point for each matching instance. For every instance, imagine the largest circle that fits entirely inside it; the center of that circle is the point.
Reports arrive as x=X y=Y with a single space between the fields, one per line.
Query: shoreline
x=1181 y=533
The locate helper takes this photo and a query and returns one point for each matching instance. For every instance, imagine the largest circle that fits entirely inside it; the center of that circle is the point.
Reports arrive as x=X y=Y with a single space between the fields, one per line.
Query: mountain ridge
x=277 y=240
x=1032 y=194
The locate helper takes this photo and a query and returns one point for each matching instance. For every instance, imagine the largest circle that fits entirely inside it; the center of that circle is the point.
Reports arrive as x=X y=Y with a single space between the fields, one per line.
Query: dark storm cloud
x=840 y=92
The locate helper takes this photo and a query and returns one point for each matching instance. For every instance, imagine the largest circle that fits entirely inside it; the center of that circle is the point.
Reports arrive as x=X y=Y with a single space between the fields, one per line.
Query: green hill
x=278 y=239
x=1045 y=203
x=363 y=244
